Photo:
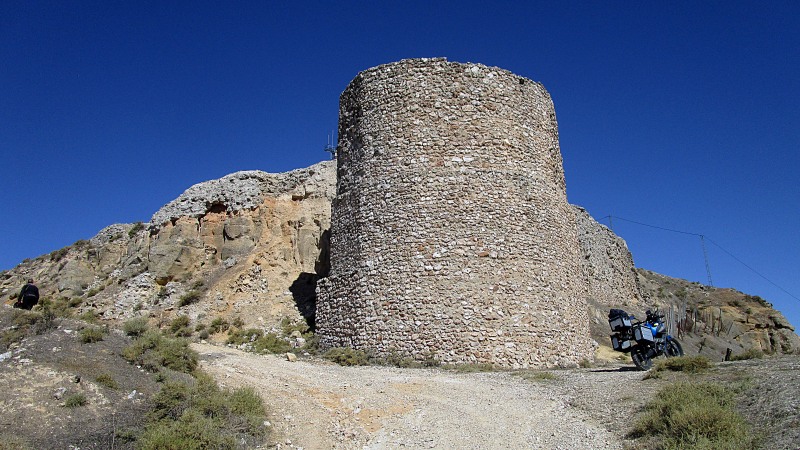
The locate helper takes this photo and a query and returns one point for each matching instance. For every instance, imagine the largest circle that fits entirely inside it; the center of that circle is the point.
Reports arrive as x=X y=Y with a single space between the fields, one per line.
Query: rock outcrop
x=249 y=245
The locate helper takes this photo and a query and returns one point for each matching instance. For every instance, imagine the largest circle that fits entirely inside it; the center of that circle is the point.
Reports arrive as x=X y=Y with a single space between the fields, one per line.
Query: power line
x=657 y=227
x=754 y=270
x=702 y=241
x=703 y=238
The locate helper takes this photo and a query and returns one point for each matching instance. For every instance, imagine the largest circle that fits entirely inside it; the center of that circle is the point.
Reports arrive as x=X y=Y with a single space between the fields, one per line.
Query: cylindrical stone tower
x=451 y=234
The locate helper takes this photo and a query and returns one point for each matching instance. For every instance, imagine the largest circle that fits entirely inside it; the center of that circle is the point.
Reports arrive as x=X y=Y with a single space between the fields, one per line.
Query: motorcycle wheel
x=673 y=348
x=640 y=358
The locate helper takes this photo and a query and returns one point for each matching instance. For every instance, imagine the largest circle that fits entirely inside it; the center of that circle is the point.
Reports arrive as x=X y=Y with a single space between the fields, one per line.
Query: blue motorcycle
x=643 y=340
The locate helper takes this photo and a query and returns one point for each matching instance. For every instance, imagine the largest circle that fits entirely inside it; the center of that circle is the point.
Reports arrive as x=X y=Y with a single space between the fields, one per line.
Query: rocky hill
x=252 y=245
x=249 y=245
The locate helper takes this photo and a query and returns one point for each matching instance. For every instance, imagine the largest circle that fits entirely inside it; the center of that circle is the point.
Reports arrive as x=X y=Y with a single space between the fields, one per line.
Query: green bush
x=398 y=360
x=694 y=415
x=289 y=326
x=219 y=325
x=175 y=354
x=200 y=415
x=259 y=341
x=59 y=307
x=238 y=322
x=180 y=326
x=189 y=298
x=686 y=364
x=137 y=227
x=27 y=323
x=152 y=351
x=190 y=431
x=345 y=356
x=91 y=334
x=238 y=337
x=89 y=316
x=751 y=353
x=136 y=326
x=59 y=254
x=271 y=343
x=75 y=400
x=107 y=380
x=10 y=336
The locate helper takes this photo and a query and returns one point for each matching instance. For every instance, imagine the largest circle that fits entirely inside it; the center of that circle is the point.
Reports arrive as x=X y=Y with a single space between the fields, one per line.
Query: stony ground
x=314 y=404
x=39 y=374
x=318 y=405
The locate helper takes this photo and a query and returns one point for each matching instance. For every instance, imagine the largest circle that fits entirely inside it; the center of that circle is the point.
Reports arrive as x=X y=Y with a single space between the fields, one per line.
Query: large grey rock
x=246 y=190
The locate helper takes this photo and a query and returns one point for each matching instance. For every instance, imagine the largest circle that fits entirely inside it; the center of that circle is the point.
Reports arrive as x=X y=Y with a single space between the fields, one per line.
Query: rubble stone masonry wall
x=608 y=263
x=451 y=234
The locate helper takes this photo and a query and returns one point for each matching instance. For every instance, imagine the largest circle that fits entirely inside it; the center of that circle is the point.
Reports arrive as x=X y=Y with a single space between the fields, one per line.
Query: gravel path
x=317 y=405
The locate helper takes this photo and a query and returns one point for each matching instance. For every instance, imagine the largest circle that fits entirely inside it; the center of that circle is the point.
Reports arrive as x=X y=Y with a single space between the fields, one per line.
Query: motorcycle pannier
x=643 y=333
x=620 y=344
x=619 y=320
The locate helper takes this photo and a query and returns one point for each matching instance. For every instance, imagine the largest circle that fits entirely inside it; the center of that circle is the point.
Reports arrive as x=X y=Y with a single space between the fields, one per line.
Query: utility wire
x=704 y=237
x=659 y=228
x=753 y=270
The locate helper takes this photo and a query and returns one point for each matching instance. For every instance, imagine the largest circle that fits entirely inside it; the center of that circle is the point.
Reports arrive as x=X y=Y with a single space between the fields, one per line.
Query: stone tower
x=451 y=235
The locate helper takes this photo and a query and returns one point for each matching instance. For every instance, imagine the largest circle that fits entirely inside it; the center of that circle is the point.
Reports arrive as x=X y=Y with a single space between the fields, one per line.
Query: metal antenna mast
x=705 y=256
x=330 y=147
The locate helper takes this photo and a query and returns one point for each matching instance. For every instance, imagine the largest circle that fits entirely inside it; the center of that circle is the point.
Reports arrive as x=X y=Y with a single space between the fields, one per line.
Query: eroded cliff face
x=249 y=245
x=709 y=320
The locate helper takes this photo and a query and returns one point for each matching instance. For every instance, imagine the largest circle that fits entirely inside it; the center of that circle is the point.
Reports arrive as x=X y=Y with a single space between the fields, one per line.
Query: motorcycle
x=643 y=340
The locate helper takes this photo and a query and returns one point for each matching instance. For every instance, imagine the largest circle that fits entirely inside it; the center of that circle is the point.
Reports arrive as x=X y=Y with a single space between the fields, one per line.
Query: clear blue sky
x=682 y=115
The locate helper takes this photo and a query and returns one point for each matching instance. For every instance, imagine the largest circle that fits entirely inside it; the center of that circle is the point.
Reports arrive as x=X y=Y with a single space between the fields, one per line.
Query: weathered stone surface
x=242 y=191
x=451 y=234
x=607 y=262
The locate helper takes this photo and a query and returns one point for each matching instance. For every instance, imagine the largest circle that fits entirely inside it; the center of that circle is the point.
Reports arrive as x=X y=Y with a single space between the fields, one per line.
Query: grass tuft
x=136 y=326
x=470 y=368
x=345 y=356
x=218 y=325
x=107 y=380
x=685 y=364
x=752 y=353
x=537 y=375
x=75 y=400
x=189 y=298
x=694 y=415
x=90 y=335
x=201 y=415
x=153 y=351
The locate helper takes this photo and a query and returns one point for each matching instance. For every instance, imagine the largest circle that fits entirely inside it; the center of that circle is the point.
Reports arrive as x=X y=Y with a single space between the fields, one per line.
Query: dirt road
x=318 y=405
